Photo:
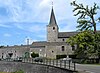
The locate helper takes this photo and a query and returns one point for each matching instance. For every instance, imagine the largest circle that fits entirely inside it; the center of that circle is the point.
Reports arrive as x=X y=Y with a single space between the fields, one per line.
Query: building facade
x=55 y=44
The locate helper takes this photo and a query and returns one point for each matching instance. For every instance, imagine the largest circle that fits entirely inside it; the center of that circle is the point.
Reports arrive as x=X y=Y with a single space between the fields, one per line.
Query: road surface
x=88 y=68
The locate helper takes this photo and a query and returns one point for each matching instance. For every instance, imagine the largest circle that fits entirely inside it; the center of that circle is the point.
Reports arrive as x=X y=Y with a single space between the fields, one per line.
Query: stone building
x=56 y=41
x=14 y=51
x=55 y=44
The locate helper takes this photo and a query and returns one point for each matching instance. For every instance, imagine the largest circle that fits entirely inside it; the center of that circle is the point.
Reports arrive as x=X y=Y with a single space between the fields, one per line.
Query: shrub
x=33 y=55
x=61 y=56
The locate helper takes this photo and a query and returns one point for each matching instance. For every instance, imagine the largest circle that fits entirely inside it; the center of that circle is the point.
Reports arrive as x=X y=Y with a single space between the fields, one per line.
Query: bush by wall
x=61 y=56
x=33 y=55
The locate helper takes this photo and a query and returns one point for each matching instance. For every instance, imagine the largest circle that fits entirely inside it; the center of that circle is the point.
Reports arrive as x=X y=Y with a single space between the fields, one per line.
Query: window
x=53 y=28
x=63 y=48
x=2 y=55
x=73 y=48
x=52 y=51
x=63 y=39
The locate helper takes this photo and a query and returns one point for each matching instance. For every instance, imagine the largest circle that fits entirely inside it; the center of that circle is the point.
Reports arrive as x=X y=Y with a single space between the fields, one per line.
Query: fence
x=66 y=64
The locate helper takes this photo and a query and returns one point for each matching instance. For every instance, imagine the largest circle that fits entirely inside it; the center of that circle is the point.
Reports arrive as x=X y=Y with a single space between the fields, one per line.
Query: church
x=55 y=44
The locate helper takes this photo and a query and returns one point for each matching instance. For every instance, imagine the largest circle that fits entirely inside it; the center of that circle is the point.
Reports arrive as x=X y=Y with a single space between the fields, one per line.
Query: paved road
x=88 y=68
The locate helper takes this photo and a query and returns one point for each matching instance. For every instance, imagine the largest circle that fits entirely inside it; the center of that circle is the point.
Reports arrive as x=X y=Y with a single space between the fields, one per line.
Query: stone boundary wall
x=30 y=68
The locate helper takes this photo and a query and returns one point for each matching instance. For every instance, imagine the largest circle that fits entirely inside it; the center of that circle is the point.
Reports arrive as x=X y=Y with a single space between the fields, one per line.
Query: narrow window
x=2 y=55
x=52 y=51
x=73 y=48
x=63 y=39
x=63 y=48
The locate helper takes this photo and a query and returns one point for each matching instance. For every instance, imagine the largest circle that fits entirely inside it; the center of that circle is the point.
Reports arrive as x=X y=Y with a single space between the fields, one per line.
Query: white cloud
x=3 y=25
x=30 y=26
x=7 y=35
x=36 y=28
x=44 y=3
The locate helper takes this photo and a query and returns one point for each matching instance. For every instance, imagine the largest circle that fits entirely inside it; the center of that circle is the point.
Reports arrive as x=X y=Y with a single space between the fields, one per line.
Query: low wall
x=30 y=68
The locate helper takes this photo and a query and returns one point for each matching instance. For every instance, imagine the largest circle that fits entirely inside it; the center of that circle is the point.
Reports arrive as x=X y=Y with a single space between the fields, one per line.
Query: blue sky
x=28 y=18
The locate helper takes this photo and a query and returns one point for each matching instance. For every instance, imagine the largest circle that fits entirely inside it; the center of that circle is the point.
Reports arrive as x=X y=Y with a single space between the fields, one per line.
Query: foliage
x=33 y=55
x=86 y=15
x=88 y=44
x=61 y=56
x=1 y=46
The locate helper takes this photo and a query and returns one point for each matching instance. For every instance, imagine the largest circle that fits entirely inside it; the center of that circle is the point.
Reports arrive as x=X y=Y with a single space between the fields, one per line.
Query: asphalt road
x=88 y=68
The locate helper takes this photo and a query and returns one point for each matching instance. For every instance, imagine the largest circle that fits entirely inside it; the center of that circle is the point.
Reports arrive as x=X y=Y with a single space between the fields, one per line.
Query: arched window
x=53 y=28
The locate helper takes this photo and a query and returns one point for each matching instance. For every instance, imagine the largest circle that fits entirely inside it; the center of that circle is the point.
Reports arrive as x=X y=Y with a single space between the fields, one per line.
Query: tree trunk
x=94 y=24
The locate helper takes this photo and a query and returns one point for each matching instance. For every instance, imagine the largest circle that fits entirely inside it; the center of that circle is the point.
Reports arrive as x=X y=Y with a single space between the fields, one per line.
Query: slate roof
x=48 y=43
x=52 y=18
x=66 y=34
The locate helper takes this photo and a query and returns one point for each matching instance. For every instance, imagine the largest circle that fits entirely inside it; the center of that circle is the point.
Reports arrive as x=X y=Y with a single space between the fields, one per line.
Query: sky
x=22 y=19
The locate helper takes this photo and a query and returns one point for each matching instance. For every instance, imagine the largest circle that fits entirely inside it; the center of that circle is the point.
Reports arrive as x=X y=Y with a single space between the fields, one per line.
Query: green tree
x=84 y=42
x=33 y=55
x=1 y=46
x=86 y=17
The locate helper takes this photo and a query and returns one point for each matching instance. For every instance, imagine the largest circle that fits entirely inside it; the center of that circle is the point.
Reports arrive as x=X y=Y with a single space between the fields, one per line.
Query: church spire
x=52 y=17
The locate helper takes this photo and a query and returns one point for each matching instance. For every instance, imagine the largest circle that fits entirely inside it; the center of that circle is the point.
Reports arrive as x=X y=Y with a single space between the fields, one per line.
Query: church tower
x=52 y=28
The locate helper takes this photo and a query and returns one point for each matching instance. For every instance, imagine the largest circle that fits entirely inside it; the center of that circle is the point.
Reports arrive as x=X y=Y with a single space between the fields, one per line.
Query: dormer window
x=53 y=28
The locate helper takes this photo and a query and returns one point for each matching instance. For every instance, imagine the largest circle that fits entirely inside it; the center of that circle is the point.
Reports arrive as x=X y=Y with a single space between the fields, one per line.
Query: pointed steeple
x=52 y=18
